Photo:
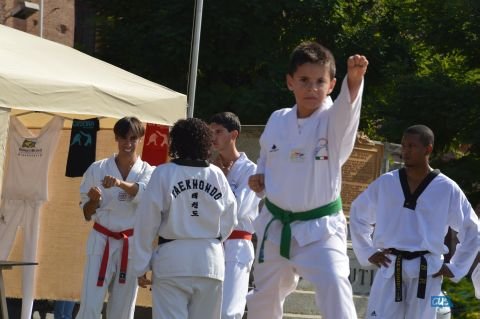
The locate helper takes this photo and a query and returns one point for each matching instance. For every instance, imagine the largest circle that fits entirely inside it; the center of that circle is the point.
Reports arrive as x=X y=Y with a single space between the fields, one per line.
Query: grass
x=465 y=305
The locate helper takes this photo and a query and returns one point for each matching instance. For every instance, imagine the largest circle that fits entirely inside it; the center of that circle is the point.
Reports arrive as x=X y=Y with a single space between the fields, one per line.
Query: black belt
x=162 y=240
x=422 y=278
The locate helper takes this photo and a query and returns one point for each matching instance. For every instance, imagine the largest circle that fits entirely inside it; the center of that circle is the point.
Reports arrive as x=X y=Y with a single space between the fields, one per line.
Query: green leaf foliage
x=424 y=60
x=462 y=294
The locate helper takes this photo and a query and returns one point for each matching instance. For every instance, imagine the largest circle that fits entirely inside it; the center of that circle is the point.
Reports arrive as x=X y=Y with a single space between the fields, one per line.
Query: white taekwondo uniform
x=476 y=280
x=419 y=228
x=117 y=214
x=190 y=204
x=302 y=168
x=239 y=252
x=25 y=189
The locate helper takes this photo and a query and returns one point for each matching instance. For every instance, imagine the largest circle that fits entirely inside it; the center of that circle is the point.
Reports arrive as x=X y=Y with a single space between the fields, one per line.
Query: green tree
x=424 y=60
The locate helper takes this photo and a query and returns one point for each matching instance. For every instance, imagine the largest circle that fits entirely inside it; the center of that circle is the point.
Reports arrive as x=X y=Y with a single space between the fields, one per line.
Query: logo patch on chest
x=297 y=155
x=123 y=196
x=274 y=148
x=321 y=150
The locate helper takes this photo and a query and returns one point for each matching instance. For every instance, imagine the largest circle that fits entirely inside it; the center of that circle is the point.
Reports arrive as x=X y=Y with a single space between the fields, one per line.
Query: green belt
x=287 y=217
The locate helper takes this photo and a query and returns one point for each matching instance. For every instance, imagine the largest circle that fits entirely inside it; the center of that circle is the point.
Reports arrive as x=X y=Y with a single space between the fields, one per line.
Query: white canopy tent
x=40 y=75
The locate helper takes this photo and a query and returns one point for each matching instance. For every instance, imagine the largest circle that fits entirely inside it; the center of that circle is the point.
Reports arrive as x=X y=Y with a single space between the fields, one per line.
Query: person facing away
x=399 y=224
x=190 y=206
x=110 y=192
x=239 y=252
x=302 y=230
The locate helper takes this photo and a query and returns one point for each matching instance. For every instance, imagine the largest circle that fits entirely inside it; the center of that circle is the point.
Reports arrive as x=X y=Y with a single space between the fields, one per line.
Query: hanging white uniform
x=419 y=228
x=190 y=204
x=302 y=169
x=239 y=252
x=25 y=189
x=116 y=213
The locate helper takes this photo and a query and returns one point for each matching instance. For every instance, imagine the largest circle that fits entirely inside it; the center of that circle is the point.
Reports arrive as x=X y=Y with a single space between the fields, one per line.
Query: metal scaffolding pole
x=192 y=81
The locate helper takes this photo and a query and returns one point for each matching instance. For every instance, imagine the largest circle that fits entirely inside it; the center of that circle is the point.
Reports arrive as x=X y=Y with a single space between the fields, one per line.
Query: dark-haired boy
x=399 y=224
x=302 y=230
x=239 y=252
x=189 y=205
x=110 y=192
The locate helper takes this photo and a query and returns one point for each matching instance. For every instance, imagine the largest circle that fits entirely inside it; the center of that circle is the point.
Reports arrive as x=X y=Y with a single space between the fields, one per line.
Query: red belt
x=124 y=234
x=240 y=234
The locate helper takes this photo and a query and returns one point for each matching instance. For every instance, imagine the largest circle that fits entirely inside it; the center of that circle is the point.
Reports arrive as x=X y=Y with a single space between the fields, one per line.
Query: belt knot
x=286 y=217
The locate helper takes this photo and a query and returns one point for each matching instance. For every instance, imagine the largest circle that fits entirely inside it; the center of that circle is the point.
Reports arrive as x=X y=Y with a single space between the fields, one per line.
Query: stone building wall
x=58 y=19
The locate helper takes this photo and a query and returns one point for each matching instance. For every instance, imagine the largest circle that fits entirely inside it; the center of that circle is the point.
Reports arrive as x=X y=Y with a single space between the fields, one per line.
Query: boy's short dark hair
x=127 y=124
x=190 y=139
x=228 y=120
x=311 y=52
x=424 y=132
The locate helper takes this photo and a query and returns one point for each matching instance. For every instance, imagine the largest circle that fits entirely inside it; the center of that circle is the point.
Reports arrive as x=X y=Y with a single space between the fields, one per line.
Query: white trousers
x=24 y=214
x=121 y=297
x=382 y=305
x=327 y=268
x=186 y=298
x=235 y=289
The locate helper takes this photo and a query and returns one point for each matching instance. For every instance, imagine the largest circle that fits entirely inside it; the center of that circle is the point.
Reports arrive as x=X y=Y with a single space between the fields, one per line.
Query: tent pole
x=41 y=17
x=4 y=123
x=192 y=82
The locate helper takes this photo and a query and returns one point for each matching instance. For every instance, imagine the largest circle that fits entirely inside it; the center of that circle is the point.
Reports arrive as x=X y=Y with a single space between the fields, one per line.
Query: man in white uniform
x=110 y=192
x=399 y=224
x=239 y=252
x=476 y=271
x=189 y=205
x=302 y=230
x=25 y=189
x=476 y=280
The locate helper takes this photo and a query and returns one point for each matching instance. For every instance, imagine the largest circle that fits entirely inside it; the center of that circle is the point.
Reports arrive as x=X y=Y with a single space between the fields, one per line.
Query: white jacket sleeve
x=343 y=125
x=462 y=219
x=148 y=219
x=362 y=221
x=262 y=159
x=142 y=182
x=247 y=200
x=229 y=217
x=476 y=280
x=85 y=185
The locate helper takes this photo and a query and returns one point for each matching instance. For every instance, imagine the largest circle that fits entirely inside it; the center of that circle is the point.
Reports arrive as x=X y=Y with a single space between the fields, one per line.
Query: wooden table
x=3 y=298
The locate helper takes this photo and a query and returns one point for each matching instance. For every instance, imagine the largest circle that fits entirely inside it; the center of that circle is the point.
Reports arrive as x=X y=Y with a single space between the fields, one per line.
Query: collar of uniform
x=189 y=162
x=313 y=118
